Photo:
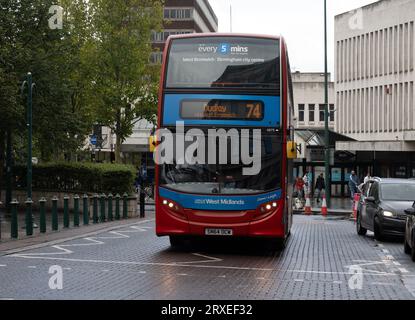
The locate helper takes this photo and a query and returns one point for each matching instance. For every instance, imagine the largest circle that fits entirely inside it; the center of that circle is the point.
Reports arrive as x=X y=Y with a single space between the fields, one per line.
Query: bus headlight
x=264 y=210
x=267 y=207
x=173 y=207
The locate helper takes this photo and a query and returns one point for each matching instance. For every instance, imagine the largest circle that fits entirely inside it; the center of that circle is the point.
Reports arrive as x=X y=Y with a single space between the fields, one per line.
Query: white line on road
x=182 y=274
x=192 y=265
x=403 y=270
x=142 y=272
x=3 y=265
x=381 y=284
x=32 y=267
x=337 y=282
x=298 y=280
x=396 y=263
x=210 y=259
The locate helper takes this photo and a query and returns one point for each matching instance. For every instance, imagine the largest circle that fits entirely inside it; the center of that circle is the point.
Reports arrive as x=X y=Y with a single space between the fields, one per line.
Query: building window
x=178 y=14
x=311 y=111
x=161 y=37
x=321 y=112
x=301 y=108
x=156 y=58
x=332 y=113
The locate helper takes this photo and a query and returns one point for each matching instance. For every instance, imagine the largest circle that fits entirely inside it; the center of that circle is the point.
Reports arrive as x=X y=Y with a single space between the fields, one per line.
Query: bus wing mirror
x=152 y=141
x=291 y=150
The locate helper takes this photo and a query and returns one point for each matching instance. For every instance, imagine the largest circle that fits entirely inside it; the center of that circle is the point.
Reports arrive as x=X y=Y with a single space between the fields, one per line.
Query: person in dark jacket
x=320 y=187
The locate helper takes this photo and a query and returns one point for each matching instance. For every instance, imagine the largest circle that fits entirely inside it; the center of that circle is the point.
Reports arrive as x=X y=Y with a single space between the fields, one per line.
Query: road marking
x=403 y=270
x=68 y=269
x=6 y=299
x=32 y=267
x=222 y=276
x=142 y=272
x=194 y=265
x=381 y=284
x=209 y=259
x=385 y=250
x=91 y=241
x=396 y=263
x=337 y=282
x=182 y=274
x=105 y=270
x=261 y=278
x=298 y=280
x=3 y=265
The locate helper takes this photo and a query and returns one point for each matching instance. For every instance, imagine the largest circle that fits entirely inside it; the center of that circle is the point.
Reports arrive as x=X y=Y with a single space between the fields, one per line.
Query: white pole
x=230 y=14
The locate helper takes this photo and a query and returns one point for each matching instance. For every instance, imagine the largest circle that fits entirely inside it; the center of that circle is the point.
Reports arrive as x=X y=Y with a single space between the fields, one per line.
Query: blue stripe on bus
x=272 y=112
x=222 y=202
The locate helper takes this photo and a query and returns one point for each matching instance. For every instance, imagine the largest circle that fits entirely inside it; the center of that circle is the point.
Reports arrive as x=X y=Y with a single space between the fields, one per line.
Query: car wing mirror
x=410 y=211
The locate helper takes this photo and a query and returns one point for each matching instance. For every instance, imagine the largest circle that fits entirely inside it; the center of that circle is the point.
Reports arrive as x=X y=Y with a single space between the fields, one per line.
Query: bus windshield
x=224 y=62
x=227 y=178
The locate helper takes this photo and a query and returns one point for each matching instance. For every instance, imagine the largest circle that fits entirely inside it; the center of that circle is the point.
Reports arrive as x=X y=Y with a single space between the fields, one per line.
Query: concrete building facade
x=374 y=65
x=182 y=17
x=309 y=100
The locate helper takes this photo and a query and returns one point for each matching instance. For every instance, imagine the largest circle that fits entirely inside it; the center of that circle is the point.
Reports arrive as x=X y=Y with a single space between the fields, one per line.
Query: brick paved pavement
x=132 y=263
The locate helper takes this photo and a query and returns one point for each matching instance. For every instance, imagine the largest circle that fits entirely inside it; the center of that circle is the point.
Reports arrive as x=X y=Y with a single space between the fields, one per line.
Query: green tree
x=125 y=82
x=61 y=116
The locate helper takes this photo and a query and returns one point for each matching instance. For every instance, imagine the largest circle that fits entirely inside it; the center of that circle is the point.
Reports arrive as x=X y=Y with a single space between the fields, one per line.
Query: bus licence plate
x=219 y=232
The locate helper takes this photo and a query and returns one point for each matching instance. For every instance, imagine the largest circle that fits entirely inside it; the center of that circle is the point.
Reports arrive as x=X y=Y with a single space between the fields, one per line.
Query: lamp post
x=30 y=86
x=326 y=114
x=29 y=216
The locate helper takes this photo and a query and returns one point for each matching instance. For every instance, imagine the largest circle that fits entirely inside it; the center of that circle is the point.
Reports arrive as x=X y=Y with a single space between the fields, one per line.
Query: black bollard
x=42 y=218
x=85 y=210
x=14 y=231
x=142 y=202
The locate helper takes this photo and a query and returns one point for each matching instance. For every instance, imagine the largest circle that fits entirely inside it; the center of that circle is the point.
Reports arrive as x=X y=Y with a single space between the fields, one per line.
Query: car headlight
x=389 y=214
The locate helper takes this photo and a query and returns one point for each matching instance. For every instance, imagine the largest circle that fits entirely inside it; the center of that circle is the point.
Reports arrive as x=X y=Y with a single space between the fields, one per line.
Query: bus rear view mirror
x=291 y=150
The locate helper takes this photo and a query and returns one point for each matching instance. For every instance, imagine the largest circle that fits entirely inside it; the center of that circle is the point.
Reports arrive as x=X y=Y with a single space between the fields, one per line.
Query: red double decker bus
x=225 y=84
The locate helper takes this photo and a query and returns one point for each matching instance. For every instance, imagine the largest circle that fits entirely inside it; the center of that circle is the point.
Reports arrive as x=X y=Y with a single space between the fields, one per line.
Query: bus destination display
x=222 y=110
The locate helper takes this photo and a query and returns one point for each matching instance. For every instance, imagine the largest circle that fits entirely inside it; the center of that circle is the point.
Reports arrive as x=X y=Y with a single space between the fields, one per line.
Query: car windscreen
x=233 y=62
x=398 y=192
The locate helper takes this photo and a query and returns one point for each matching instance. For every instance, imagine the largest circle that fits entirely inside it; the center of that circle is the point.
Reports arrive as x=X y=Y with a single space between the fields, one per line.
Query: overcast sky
x=301 y=22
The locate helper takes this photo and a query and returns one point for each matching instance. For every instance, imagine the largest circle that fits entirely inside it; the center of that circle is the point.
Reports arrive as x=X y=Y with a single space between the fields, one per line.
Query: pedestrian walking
x=299 y=187
x=307 y=183
x=353 y=184
x=320 y=187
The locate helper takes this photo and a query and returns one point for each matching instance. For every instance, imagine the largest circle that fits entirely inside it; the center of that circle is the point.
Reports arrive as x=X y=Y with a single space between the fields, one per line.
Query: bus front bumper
x=234 y=224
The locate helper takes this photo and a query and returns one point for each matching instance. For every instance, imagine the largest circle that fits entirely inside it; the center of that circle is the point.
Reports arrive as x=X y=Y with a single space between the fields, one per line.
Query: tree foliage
x=124 y=87
x=94 y=70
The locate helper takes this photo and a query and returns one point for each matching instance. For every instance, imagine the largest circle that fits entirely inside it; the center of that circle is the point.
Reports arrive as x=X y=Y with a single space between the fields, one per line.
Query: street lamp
x=326 y=114
x=30 y=85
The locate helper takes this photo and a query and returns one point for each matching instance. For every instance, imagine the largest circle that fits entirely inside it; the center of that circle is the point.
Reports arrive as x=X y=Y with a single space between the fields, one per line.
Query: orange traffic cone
x=324 y=207
x=307 y=208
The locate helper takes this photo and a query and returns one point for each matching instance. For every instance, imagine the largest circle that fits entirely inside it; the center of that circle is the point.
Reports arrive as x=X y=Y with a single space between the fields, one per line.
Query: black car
x=410 y=232
x=383 y=207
